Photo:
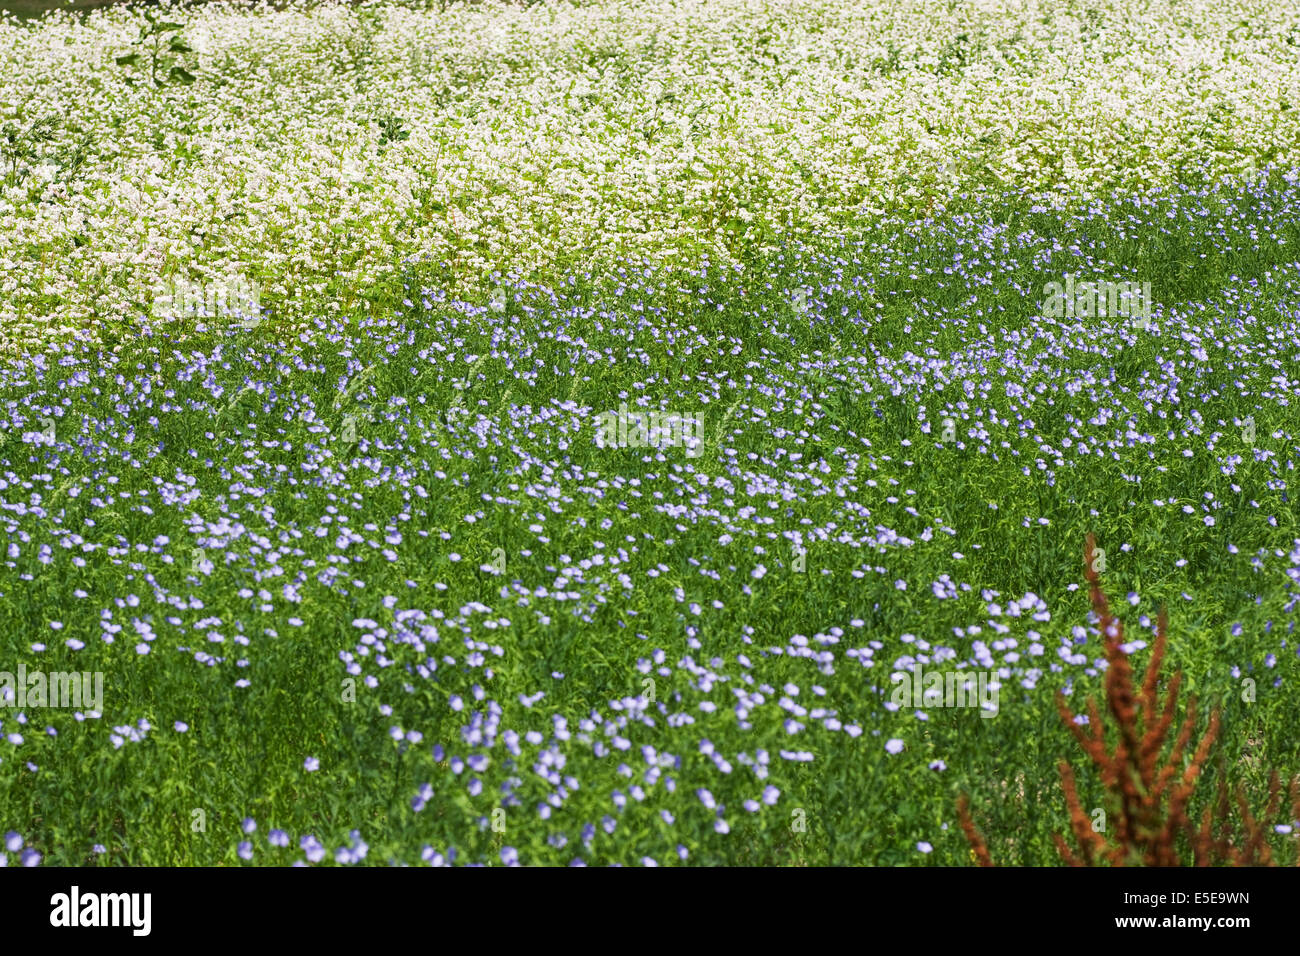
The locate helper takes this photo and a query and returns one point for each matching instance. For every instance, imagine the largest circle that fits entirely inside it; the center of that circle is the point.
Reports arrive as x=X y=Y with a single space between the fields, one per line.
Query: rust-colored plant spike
x=973 y=835
x=1149 y=795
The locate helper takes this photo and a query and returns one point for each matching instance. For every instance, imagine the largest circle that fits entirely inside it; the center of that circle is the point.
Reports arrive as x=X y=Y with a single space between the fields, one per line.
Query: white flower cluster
x=317 y=147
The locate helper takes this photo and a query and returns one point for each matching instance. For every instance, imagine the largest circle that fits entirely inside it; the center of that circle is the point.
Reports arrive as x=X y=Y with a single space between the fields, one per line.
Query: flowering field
x=634 y=405
x=316 y=149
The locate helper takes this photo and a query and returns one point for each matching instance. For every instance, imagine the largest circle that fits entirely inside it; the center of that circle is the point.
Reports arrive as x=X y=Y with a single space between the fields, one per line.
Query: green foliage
x=21 y=147
x=162 y=50
x=392 y=129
